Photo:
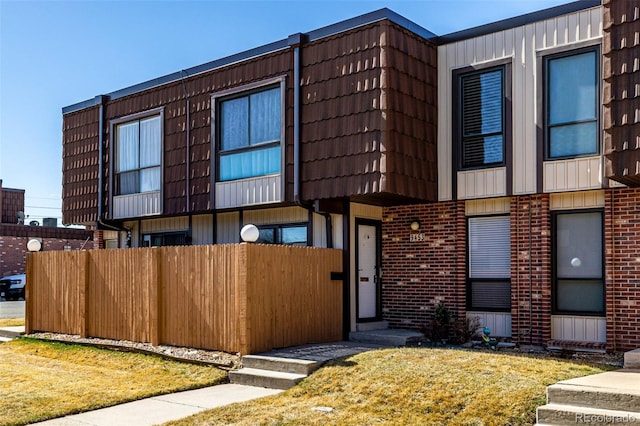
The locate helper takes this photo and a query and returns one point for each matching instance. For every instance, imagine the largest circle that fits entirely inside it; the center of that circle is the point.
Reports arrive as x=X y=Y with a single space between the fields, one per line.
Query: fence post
x=28 y=296
x=84 y=275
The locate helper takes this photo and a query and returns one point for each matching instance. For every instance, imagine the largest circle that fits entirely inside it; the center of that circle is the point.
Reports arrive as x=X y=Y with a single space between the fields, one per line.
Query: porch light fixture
x=415 y=225
x=249 y=233
x=34 y=245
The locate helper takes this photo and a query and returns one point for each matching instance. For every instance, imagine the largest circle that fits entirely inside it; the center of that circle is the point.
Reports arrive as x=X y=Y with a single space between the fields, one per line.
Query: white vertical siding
x=319 y=231
x=167 y=224
x=573 y=174
x=275 y=216
x=337 y=227
x=521 y=45
x=136 y=205
x=482 y=183
x=135 y=234
x=498 y=322
x=579 y=329
x=202 y=229
x=487 y=206
x=248 y=192
x=576 y=200
x=228 y=228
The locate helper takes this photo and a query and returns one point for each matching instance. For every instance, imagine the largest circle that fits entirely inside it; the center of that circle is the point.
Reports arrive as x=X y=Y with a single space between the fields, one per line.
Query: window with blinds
x=481 y=118
x=489 y=263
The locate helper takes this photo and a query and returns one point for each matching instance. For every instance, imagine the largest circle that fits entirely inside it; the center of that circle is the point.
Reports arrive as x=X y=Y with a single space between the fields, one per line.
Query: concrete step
x=595 y=397
x=369 y=326
x=5 y=339
x=561 y=415
x=388 y=337
x=632 y=359
x=265 y=378
x=284 y=365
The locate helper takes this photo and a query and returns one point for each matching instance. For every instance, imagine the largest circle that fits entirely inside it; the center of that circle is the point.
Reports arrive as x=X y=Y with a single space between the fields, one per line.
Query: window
x=489 y=266
x=572 y=104
x=165 y=239
x=481 y=118
x=283 y=234
x=249 y=134
x=578 y=263
x=138 y=155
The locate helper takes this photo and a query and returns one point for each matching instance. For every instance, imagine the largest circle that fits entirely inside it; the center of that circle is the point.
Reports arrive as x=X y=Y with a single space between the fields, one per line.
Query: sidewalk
x=164 y=408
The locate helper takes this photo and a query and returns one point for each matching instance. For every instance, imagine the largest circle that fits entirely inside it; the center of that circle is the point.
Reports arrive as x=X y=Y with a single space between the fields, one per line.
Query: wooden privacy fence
x=243 y=298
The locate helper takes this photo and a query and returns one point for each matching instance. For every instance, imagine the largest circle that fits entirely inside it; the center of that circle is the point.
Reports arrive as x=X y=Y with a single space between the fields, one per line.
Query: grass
x=41 y=380
x=409 y=386
x=11 y=322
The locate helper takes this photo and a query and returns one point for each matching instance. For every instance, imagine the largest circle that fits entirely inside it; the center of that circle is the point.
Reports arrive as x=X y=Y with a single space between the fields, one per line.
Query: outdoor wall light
x=249 y=233
x=34 y=245
x=415 y=225
x=576 y=262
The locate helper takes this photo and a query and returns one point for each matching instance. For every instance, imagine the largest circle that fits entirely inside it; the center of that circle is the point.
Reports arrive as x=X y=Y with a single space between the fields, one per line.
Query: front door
x=367 y=267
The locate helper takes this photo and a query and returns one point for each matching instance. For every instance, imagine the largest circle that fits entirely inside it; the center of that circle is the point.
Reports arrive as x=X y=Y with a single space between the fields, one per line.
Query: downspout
x=295 y=41
x=613 y=271
x=101 y=100
x=530 y=273
x=188 y=141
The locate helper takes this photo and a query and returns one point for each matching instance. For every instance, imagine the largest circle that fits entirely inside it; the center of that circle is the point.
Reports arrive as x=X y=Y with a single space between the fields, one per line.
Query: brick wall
x=418 y=275
x=530 y=269
x=14 y=238
x=622 y=242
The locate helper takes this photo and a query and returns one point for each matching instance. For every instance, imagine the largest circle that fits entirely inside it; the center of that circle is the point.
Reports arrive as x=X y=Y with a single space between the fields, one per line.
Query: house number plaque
x=414 y=238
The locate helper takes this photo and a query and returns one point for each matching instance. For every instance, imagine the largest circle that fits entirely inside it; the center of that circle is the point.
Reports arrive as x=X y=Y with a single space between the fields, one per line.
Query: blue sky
x=57 y=53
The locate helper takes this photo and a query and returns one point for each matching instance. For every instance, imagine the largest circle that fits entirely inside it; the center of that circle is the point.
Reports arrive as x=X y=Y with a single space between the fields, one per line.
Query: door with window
x=368 y=269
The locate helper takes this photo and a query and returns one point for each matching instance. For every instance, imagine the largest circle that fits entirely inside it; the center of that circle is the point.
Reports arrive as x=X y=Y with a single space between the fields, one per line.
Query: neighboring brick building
x=14 y=236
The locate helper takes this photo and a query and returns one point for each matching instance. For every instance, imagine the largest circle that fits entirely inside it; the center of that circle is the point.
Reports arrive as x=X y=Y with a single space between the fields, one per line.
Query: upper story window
x=572 y=104
x=138 y=155
x=249 y=133
x=481 y=118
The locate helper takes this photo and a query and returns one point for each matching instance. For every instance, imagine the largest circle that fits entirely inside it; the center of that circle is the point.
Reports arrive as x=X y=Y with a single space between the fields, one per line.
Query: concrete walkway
x=164 y=408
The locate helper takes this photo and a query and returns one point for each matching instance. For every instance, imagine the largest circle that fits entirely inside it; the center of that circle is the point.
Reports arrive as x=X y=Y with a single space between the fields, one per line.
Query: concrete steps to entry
x=272 y=372
x=604 y=399
x=386 y=337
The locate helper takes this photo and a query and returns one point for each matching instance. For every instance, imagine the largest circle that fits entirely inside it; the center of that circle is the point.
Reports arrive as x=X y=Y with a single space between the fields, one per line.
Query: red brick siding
x=622 y=242
x=419 y=275
x=531 y=269
x=13 y=250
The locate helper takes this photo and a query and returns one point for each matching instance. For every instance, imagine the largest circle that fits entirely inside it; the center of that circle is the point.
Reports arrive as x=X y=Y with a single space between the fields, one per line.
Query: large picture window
x=578 y=263
x=489 y=265
x=572 y=86
x=481 y=118
x=138 y=155
x=249 y=133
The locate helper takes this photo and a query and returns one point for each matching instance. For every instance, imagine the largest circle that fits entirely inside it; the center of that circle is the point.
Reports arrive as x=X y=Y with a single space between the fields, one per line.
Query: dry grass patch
x=11 y=322
x=41 y=380
x=409 y=386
